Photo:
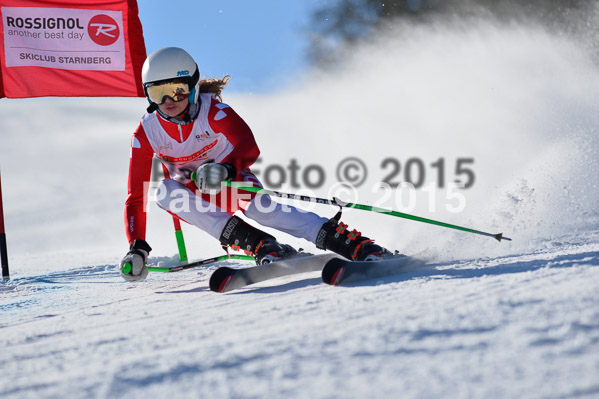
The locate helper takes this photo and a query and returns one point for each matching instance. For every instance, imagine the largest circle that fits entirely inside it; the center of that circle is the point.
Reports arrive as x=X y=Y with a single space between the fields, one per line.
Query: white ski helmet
x=170 y=63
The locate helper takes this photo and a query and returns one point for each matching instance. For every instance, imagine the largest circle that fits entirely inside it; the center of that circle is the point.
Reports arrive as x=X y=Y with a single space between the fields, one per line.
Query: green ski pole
x=336 y=202
x=203 y=262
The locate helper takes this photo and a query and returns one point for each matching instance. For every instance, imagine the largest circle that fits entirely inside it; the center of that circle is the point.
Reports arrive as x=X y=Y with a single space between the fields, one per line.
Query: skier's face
x=173 y=108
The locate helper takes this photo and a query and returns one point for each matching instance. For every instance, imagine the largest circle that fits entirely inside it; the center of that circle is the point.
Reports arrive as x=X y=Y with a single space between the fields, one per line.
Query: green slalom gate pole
x=180 y=241
x=203 y=262
x=178 y=231
x=336 y=202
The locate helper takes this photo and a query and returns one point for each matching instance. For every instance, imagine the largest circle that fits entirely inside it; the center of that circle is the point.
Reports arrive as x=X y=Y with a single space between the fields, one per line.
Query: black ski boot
x=240 y=235
x=271 y=251
x=335 y=236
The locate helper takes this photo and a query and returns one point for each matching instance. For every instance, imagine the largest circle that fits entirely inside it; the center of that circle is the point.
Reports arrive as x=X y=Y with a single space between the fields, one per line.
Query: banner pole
x=3 y=247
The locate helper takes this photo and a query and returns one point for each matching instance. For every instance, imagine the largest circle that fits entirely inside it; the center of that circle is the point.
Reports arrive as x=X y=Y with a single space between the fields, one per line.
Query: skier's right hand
x=133 y=266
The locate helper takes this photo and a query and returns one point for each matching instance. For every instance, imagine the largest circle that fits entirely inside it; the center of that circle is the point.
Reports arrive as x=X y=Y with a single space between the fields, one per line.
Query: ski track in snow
x=524 y=325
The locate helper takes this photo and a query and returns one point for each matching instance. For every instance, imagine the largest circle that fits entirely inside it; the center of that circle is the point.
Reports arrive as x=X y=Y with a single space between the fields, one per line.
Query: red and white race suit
x=218 y=135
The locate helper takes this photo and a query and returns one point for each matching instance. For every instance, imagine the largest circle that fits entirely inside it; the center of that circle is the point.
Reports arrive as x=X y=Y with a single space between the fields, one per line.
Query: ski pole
x=203 y=262
x=336 y=202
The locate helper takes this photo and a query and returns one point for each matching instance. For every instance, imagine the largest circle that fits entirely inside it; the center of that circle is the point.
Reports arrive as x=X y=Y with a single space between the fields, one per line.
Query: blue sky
x=257 y=42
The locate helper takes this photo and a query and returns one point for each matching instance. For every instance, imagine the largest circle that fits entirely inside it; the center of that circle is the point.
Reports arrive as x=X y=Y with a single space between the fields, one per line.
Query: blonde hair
x=214 y=86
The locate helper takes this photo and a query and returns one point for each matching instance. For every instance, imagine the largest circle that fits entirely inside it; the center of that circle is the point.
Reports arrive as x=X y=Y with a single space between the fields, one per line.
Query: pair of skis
x=226 y=278
x=335 y=270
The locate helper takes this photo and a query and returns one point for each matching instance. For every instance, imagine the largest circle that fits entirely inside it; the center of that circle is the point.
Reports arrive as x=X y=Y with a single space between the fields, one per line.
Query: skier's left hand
x=210 y=176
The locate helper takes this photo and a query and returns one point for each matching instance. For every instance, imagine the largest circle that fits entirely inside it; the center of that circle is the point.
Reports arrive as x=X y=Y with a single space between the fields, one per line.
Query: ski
x=226 y=278
x=338 y=271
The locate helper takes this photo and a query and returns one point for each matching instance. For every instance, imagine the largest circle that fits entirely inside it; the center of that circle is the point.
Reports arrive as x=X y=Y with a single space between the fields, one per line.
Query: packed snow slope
x=480 y=319
x=521 y=326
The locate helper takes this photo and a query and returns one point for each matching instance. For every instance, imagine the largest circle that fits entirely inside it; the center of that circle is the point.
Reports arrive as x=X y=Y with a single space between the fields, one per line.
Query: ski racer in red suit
x=202 y=142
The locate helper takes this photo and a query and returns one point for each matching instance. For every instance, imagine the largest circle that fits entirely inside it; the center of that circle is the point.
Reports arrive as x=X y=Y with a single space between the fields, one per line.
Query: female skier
x=202 y=142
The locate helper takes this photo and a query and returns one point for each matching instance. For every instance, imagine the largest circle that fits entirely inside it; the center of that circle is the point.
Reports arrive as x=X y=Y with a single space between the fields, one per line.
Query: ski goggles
x=175 y=90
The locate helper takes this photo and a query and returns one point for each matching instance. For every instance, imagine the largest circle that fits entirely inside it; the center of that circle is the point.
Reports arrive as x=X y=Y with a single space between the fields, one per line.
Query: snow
x=481 y=319
x=517 y=326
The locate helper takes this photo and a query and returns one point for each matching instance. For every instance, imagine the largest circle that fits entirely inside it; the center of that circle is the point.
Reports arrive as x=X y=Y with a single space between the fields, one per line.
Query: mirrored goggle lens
x=175 y=91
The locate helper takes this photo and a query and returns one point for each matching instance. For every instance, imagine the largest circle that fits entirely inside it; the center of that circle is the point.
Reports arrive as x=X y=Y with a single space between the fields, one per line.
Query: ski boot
x=240 y=235
x=335 y=236
x=270 y=250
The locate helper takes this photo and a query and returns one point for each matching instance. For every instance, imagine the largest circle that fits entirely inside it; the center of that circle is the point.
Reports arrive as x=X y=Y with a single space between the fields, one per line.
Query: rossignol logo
x=63 y=38
x=103 y=30
x=43 y=23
